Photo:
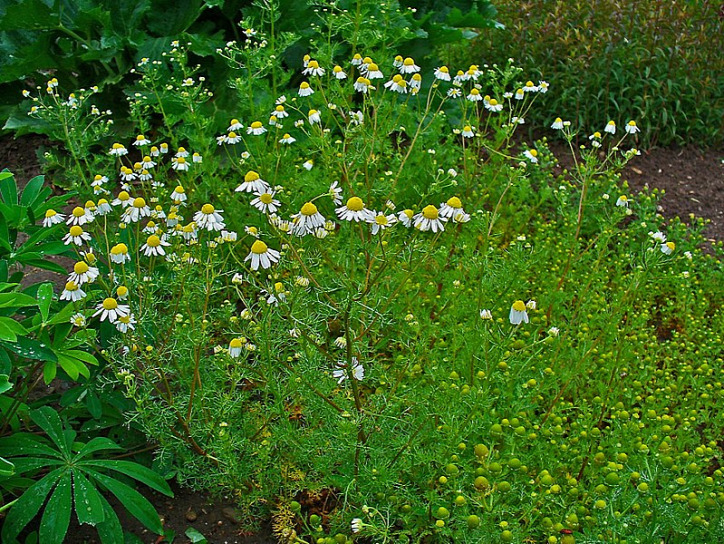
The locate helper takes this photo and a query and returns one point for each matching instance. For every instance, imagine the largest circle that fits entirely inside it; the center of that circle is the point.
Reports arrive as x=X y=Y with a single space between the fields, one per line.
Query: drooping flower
x=209 y=218
x=354 y=210
x=307 y=220
x=253 y=183
x=357 y=371
x=261 y=255
x=52 y=218
x=518 y=313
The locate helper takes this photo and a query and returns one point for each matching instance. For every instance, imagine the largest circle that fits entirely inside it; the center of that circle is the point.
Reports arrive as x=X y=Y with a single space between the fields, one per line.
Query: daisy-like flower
x=518 y=313
x=274 y=122
x=287 y=140
x=405 y=217
x=362 y=85
x=126 y=323
x=531 y=155
x=355 y=210
x=150 y=228
x=179 y=163
x=256 y=128
x=557 y=124
x=261 y=255
x=356 y=60
x=397 y=84
x=179 y=195
x=429 y=219
x=493 y=105
x=631 y=127
x=467 y=131
x=338 y=73
x=77 y=320
x=118 y=150
x=232 y=138
x=658 y=236
x=189 y=232
x=364 y=66
x=154 y=246
x=622 y=201
x=335 y=192
x=451 y=208
x=235 y=125
x=103 y=207
x=373 y=72
x=610 y=127
x=52 y=218
x=305 y=89
x=110 y=309
x=409 y=66
x=76 y=236
x=474 y=95
x=668 y=248
x=314 y=117
x=313 y=69
x=442 y=73
x=147 y=162
x=305 y=60
x=253 y=183
x=455 y=92
x=307 y=220
x=486 y=315
x=530 y=87
x=83 y=273
x=136 y=211
x=119 y=254
x=126 y=174
x=72 y=292
x=145 y=175
x=357 y=371
x=415 y=83
x=380 y=221
x=164 y=147
x=308 y=165
x=235 y=348
x=543 y=87
x=181 y=152
x=122 y=292
x=154 y=152
x=357 y=525
x=79 y=217
x=356 y=117
x=265 y=202
x=208 y=218
x=531 y=304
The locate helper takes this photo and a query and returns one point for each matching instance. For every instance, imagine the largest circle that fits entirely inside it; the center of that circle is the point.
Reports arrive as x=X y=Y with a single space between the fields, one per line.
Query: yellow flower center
x=125 y=319
x=430 y=212
x=454 y=202
x=140 y=137
x=313 y=64
x=337 y=69
x=416 y=77
x=180 y=149
x=102 y=201
x=122 y=291
x=123 y=196
x=80 y=267
x=75 y=230
x=409 y=213
x=529 y=84
x=207 y=209
x=610 y=123
x=493 y=102
x=279 y=108
x=258 y=247
x=357 y=56
x=671 y=245
x=51 y=213
x=467 y=128
x=367 y=60
x=90 y=204
x=234 y=122
x=153 y=241
x=235 y=343
x=137 y=165
x=373 y=67
x=71 y=286
x=408 y=62
x=444 y=69
x=256 y=124
x=533 y=152
x=519 y=306
x=181 y=160
x=251 y=176
x=632 y=123
x=309 y=209
x=266 y=198
x=312 y=112
x=139 y=203
x=286 y=137
x=304 y=85
x=110 y=304
x=117 y=146
x=355 y=204
x=397 y=78
x=189 y=228
x=78 y=212
x=119 y=249
x=279 y=287
x=381 y=220
x=180 y=190
x=475 y=92
x=252 y=230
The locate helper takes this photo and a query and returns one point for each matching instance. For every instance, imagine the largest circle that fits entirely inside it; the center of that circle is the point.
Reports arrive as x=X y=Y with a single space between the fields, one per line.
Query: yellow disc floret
x=71 y=286
x=355 y=204
x=80 y=267
x=110 y=304
x=258 y=247
x=122 y=291
x=78 y=212
x=139 y=203
x=119 y=249
x=266 y=198
x=207 y=209
x=256 y=124
x=430 y=212
x=454 y=202
x=519 y=306
x=309 y=209
x=251 y=176
x=235 y=343
x=75 y=230
x=153 y=241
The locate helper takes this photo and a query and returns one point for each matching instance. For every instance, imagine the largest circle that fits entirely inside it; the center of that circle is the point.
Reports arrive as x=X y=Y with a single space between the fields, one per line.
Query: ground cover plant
x=370 y=313
x=660 y=62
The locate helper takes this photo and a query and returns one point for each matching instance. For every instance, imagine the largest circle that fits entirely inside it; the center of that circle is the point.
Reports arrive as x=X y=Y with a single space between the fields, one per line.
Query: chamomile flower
x=72 y=292
x=119 y=254
x=531 y=155
x=126 y=323
x=253 y=183
x=147 y=163
x=668 y=248
x=179 y=195
x=305 y=89
x=429 y=219
x=103 y=207
x=357 y=117
x=409 y=66
x=362 y=85
x=314 y=117
x=313 y=69
x=180 y=164
x=154 y=246
x=136 y=211
x=118 y=150
x=610 y=127
x=181 y=152
x=493 y=105
x=335 y=192
x=307 y=220
x=557 y=124
x=279 y=112
x=235 y=125
x=364 y=66
x=380 y=221
x=658 y=236
x=164 y=148
x=110 y=309
x=543 y=87
x=622 y=201
x=77 y=320
x=287 y=140
x=235 y=348
x=442 y=73
x=356 y=60
x=518 y=313
x=486 y=315
x=373 y=72
x=338 y=73
x=265 y=202
x=467 y=131
x=232 y=138
x=150 y=228
x=474 y=95
x=154 y=152
x=357 y=371
x=126 y=174
x=455 y=92
x=631 y=127
x=261 y=255
x=208 y=218
x=355 y=210
x=76 y=236
x=405 y=217
x=530 y=87
x=415 y=83
x=308 y=165
x=83 y=273
x=79 y=217
x=397 y=84
x=451 y=208
x=145 y=175
x=256 y=128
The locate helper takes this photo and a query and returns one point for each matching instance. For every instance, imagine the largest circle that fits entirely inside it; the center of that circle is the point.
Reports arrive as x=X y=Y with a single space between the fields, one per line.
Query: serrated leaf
x=88 y=502
x=138 y=472
x=56 y=515
x=28 y=505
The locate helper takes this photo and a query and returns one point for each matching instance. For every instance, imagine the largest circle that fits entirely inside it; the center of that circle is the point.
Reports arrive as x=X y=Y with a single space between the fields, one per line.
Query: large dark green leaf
x=99 y=443
x=47 y=419
x=109 y=530
x=32 y=190
x=30 y=349
x=136 y=471
x=88 y=502
x=45 y=297
x=8 y=189
x=56 y=516
x=28 y=505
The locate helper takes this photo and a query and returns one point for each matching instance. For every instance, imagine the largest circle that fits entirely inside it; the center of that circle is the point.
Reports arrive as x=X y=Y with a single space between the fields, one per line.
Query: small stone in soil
x=191 y=515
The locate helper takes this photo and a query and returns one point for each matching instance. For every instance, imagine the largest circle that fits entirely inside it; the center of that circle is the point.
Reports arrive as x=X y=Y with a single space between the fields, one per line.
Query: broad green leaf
x=24 y=465
x=132 y=500
x=10 y=329
x=28 y=505
x=45 y=297
x=20 y=444
x=195 y=536
x=30 y=349
x=5 y=384
x=88 y=502
x=63 y=315
x=99 y=443
x=32 y=190
x=71 y=366
x=109 y=530
x=56 y=515
x=50 y=371
x=134 y=470
x=9 y=189
x=48 y=419
x=16 y=300
x=80 y=355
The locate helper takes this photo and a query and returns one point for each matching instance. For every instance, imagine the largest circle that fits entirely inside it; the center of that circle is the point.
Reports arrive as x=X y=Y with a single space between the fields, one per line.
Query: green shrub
x=660 y=62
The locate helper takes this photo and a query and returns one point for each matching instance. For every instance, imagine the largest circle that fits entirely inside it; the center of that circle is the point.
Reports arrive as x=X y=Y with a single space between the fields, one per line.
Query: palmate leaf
x=110 y=529
x=28 y=505
x=47 y=419
x=88 y=502
x=27 y=444
x=134 y=470
x=56 y=515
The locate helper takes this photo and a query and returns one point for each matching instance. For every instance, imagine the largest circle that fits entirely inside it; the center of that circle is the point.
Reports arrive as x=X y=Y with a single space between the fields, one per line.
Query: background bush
x=659 y=62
